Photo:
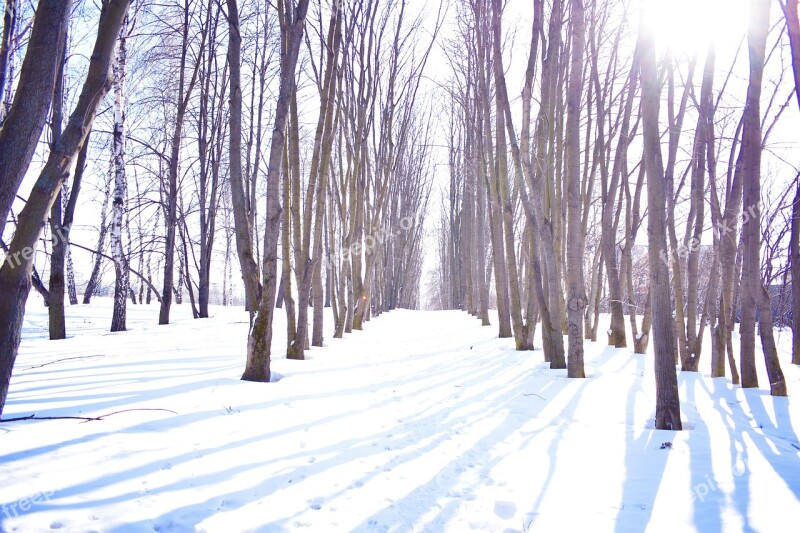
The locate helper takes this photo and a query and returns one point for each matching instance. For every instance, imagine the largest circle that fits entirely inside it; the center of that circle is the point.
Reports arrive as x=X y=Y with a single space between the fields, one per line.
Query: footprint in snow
x=504 y=510
x=312 y=459
x=56 y=525
x=316 y=503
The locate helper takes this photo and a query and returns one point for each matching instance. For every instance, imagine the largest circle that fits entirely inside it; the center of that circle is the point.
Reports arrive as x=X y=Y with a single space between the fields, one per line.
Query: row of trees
x=544 y=211
x=326 y=212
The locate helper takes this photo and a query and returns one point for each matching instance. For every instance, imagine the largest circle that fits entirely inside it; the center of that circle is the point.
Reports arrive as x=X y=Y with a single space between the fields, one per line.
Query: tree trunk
x=23 y=124
x=119 y=209
x=171 y=215
x=751 y=194
x=667 y=399
x=576 y=291
x=239 y=202
x=10 y=18
x=777 y=383
x=260 y=340
x=55 y=309
x=94 y=277
x=795 y=267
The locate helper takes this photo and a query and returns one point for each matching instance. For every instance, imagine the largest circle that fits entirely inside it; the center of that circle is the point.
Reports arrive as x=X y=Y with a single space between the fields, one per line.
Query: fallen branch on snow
x=534 y=394
x=61 y=360
x=84 y=418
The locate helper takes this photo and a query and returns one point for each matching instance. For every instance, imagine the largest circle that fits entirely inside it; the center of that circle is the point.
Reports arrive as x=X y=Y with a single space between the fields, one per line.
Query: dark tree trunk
x=25 y=120
x=55 y=309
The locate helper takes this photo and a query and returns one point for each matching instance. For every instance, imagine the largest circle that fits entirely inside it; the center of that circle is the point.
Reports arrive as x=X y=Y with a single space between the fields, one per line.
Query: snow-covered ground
x=424 y=421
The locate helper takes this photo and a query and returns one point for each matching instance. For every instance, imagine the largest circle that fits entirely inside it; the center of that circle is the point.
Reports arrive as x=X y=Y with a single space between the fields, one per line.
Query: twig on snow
x=84 y=418
x=534 y=394
x=61 y=360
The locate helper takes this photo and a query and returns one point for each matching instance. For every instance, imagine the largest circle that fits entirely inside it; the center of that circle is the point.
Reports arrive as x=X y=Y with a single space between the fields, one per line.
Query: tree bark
x=55 y=309
x=119 y=204
x=667 y=399
x=23 y=124
x=795 y=267
x=751 y=194
x=576 y=291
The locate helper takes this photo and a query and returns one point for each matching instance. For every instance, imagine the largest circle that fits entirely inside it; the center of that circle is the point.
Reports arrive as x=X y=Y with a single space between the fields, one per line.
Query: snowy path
x=422 y=422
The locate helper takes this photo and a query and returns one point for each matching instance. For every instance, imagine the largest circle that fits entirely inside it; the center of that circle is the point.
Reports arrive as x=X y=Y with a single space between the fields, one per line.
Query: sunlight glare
x=688 y=26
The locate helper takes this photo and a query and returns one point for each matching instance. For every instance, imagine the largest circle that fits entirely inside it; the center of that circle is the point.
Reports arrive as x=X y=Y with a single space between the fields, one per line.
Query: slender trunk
x=777 y=382
x=667 y=397
x=505 y=203
x=122 y=279
x=576 y=291
x=239 y=201
x=751 y=193
x=55 y=309
x=795 y=267
x=790 y=11
x=171 y=215
x=10 y=18
x=94 y=277
x=260 y=339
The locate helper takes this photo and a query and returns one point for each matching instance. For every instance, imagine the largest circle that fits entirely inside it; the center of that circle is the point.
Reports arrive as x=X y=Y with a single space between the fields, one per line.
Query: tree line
x=550 y=189
x=291 y=135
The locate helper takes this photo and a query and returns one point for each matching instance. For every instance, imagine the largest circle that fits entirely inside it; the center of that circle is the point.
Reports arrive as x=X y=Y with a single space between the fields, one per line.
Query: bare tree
x=667 y=400
x=184 y=93
x=239 y=202
x=576 y=290
x=754 y=294
x=260 y=338
x=120 y=196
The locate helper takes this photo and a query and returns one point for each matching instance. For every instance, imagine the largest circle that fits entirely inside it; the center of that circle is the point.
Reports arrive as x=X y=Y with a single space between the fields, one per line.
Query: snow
x=424 y=421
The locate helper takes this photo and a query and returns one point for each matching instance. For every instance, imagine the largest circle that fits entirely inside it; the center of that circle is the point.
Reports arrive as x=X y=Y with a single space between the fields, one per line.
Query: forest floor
x=424 y=421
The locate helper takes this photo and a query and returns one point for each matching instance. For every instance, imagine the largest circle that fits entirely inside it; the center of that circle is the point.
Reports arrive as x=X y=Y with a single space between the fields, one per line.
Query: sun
x=689 y=26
